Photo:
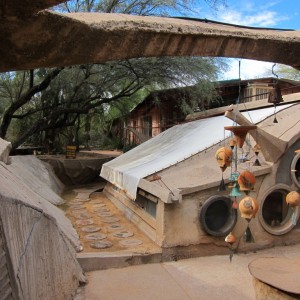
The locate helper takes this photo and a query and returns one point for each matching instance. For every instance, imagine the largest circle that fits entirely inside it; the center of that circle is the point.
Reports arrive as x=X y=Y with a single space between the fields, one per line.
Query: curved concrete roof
x=31 y=38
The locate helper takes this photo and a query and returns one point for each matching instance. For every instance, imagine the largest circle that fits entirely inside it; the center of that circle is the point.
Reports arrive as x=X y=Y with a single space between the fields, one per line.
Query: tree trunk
x=26 y=97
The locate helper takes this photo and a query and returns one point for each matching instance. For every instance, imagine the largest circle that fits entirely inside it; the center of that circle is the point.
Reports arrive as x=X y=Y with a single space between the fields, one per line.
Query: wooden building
x=163 y=109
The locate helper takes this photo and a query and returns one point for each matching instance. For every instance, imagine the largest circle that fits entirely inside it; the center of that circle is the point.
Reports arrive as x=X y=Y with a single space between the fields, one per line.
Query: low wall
x=80 y=170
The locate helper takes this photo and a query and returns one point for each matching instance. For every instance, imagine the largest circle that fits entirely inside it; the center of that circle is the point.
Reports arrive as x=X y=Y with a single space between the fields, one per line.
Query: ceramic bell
x=293 y=199
x=223 y=157
x=248 y=207
x=246 y=181
x=230 y=238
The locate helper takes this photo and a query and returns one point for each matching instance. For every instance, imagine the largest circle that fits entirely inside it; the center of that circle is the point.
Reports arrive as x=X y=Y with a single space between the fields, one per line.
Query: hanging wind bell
x=256 y=150
x=230 y=240
x=248 y=208
x=275 y=96
x=232 y=143
x=246 y=181
x=223 y=157
x=235 y=192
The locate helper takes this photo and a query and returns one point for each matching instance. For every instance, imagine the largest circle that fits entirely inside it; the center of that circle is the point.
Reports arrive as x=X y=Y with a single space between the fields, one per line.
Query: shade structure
x=240 y=133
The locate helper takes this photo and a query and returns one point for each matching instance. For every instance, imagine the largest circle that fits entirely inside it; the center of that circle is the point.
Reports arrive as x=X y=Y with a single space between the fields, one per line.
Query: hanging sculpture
x=240 y=181
x=275 y=96
x=256 y=150
x=240 y=133
x=230 y=240
x=248 y=208
x=223 y=157
x=246 y=181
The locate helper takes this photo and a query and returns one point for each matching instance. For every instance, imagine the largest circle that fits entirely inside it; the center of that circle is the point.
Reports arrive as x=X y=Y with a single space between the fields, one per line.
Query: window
x=247 y=95
x=262 y=94
x=217 y=216
x=275 y=215
x=147 y=202
x=147 y=126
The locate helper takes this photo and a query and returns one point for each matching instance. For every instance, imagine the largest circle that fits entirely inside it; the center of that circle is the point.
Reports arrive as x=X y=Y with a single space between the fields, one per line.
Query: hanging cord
x=239 y=95
x=235 y=117
x=275 y=82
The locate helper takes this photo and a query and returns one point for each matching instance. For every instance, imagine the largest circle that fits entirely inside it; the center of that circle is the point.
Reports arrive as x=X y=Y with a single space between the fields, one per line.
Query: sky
x=283 y=14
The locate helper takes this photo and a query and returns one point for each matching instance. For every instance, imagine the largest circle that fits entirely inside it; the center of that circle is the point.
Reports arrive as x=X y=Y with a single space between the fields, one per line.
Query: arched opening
x=275 y=209
x=217 y=216
x=275 y=214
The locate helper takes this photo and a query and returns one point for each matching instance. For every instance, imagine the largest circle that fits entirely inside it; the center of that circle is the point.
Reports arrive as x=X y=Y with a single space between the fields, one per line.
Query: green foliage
x=288 y=72
x=47 y=105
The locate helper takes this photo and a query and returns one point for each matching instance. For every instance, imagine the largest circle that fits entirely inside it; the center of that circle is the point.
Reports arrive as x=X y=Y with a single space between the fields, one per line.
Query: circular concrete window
x=295 y=170
x=217 y=216
x=275 y=215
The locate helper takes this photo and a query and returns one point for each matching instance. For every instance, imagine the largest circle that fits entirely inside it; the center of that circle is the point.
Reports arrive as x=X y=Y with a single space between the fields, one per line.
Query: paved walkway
x=197 y=278
x=101 y=226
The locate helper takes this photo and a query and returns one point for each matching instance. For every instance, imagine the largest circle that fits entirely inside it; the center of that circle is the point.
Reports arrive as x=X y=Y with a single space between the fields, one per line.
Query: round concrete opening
x=275 y=215
x=217 y=216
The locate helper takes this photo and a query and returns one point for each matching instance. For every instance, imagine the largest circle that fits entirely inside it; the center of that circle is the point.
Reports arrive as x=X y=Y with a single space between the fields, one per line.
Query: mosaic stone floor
x=101 y=226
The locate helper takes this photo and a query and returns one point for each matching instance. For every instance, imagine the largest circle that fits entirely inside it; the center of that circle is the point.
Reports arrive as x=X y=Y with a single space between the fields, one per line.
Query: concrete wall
x=178 y=224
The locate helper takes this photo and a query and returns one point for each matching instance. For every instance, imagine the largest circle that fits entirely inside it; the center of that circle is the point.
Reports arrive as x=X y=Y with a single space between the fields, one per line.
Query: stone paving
x=101 y=226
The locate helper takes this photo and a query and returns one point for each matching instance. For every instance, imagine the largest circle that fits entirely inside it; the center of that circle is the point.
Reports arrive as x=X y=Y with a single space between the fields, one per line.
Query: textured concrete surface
x=85 y=204
x=34 y=37
x=197 y=278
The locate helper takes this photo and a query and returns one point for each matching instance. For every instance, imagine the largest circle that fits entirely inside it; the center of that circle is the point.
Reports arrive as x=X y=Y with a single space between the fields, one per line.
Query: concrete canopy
x=33 y=37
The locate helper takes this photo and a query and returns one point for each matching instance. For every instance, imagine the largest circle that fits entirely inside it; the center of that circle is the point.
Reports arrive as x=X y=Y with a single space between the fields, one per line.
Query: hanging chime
x=232 y=143
x=256 y=150
x=223 y=157
x=230 y=240
x=235 y=189
x=248 y=207
x=246 y=181
x=275 y=96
